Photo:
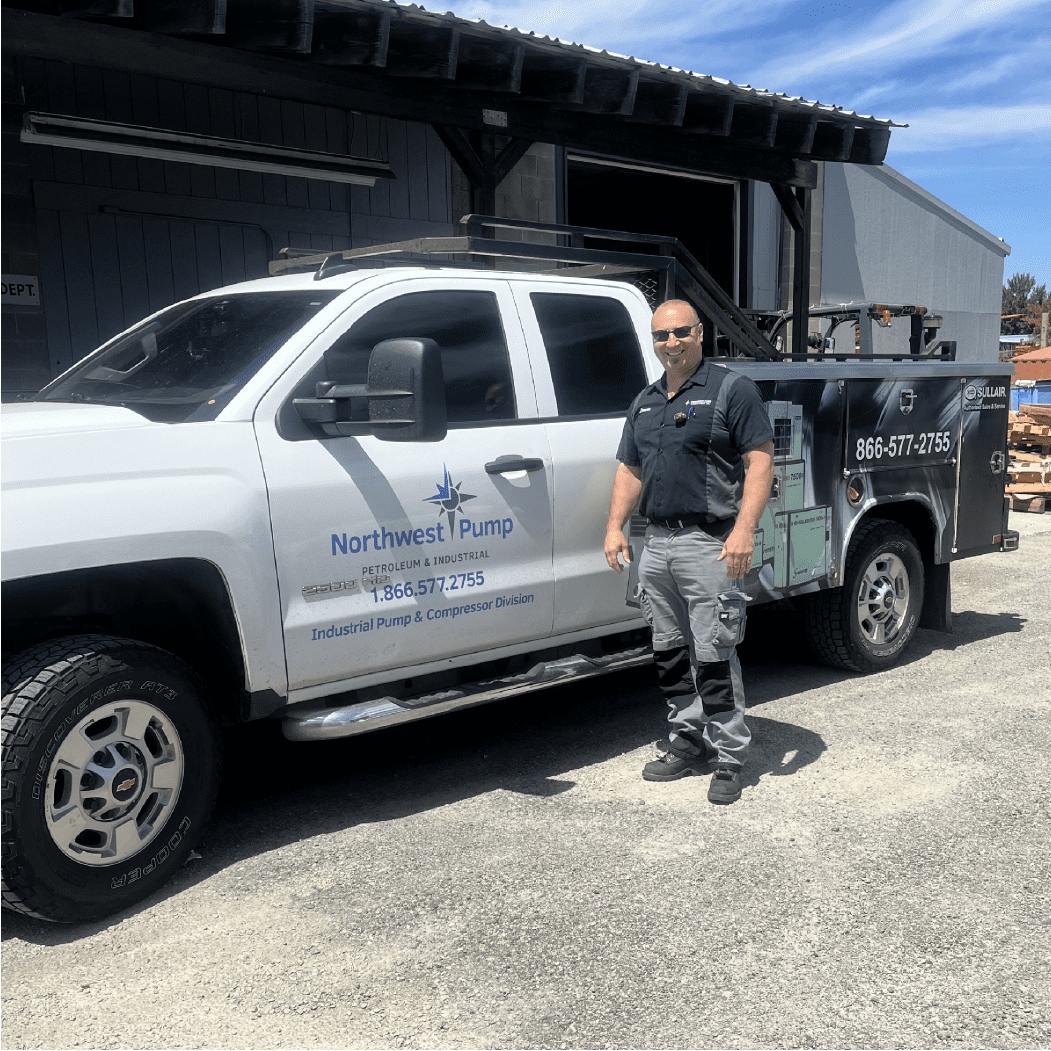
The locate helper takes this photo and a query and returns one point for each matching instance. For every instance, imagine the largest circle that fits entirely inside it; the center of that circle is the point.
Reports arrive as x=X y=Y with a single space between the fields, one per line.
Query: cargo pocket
x=641 y=601
x=730 y=620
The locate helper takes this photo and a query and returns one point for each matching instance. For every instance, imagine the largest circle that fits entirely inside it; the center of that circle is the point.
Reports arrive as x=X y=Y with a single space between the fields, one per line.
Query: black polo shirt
x=690 y=447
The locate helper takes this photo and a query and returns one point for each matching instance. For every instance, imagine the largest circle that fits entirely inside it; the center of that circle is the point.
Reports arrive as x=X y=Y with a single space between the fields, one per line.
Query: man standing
x=697 y=459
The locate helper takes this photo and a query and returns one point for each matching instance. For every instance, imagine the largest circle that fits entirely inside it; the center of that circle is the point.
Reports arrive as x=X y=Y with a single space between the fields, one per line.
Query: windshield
x=189 y=361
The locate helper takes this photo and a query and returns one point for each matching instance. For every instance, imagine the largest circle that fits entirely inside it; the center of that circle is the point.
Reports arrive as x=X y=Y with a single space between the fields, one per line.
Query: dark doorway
x=699 y=213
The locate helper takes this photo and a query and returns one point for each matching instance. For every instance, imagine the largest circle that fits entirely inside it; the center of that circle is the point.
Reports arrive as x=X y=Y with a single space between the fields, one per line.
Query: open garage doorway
x=704 y=214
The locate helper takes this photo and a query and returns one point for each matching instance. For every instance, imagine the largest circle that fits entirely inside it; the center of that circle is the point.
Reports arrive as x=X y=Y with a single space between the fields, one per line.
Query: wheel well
x=937 y=600
x=179 y=605
x=913 y=516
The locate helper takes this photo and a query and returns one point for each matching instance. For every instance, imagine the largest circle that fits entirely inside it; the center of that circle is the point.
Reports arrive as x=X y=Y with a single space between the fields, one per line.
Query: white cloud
x=946 y=128
x=901 y=33
x=648 y=29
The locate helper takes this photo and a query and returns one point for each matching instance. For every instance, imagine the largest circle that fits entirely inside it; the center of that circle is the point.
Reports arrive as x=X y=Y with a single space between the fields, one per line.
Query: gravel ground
x=504 y=878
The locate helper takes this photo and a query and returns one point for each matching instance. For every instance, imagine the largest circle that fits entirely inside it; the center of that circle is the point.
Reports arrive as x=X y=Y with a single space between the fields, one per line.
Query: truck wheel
x=866 y=624
x=110 y=770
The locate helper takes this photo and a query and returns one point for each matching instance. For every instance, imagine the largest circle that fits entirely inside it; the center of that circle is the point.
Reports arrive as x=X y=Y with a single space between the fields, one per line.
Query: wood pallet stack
x=1029 y=449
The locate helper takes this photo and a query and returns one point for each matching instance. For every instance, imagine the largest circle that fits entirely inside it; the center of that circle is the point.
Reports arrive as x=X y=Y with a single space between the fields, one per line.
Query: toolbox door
x=983 y=465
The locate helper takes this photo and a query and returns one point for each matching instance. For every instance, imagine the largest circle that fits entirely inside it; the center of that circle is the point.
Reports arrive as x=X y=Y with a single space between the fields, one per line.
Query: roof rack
x=575 y=251
x=678 y=272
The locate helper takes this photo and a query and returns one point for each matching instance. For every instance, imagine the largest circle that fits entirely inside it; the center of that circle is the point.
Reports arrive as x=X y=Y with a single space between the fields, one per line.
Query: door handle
x=518 y=463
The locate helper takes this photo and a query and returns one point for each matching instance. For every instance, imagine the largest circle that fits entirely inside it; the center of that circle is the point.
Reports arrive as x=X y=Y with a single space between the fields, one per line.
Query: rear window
x=187 y=363
x=593 y=352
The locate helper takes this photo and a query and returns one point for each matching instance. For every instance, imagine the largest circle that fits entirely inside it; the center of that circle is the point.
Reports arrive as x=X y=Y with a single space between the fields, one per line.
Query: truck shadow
x=276 y=792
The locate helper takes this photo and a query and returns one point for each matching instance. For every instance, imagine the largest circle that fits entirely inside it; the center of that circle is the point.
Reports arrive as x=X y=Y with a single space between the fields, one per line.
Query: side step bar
x=324 y=724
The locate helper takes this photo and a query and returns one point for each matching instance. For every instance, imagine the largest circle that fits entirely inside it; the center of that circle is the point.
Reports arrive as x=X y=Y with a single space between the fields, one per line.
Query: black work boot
x=726 y=785
x=670 y=767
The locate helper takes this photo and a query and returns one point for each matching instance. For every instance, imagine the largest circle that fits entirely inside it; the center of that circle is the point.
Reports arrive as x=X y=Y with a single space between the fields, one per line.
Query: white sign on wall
x=20 y=290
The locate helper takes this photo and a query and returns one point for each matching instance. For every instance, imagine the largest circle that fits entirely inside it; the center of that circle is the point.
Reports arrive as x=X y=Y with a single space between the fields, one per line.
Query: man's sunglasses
x=661 y=335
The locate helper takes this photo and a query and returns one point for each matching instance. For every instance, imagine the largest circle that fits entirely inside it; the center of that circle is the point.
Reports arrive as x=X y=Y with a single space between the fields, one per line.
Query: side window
x=465 y=324
x=593 y=351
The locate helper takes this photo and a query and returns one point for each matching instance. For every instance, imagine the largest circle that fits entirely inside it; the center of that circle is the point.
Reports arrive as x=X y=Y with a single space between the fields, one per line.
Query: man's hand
x=617 y=545
x=738 y=553
x=627 y=486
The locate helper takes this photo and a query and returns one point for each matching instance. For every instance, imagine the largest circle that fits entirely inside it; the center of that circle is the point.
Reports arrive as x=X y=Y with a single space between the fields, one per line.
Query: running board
x=324 y=724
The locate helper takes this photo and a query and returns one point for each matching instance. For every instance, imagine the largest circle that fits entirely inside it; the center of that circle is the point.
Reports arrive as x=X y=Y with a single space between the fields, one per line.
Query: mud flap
x=937 y=597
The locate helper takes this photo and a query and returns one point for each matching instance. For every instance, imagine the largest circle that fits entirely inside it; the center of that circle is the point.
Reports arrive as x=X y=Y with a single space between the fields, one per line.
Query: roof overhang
x=402 y=61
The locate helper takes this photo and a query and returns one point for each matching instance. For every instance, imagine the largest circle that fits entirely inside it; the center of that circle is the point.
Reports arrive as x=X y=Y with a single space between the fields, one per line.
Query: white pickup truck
x=352 y=498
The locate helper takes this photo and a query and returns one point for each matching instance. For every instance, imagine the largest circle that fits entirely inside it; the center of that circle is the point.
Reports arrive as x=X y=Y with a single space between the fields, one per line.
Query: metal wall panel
x=887 y=240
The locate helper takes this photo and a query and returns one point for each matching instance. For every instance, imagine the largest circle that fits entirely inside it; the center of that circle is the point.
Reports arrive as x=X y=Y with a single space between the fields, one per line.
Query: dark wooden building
x=154 y=149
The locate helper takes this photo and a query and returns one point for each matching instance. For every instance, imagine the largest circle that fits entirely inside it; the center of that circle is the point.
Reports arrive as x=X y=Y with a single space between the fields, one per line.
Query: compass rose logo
x=449 y=498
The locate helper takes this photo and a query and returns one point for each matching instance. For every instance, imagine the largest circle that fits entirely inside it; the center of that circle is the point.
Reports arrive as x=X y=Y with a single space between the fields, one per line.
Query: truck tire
x=866 y=624
x=110 y=770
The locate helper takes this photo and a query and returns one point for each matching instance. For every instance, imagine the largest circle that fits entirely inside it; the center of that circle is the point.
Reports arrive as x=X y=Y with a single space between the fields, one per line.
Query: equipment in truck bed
x=660 y=265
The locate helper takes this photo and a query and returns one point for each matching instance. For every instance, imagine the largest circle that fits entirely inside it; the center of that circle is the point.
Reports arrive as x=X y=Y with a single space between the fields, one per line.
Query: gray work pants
x=698 y=617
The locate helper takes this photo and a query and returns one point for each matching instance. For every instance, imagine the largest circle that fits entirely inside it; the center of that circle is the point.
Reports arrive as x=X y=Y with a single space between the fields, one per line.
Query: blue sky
x=969 y=77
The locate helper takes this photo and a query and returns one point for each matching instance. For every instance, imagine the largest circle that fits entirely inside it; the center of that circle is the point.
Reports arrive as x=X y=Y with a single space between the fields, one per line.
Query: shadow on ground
x=276 y=792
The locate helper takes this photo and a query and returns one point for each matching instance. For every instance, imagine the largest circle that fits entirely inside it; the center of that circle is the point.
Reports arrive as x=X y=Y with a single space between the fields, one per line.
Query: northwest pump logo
x=450 y=499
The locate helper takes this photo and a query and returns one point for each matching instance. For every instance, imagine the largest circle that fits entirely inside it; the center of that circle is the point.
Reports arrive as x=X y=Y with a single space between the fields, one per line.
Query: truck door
x=588 y=366
x=394 y=555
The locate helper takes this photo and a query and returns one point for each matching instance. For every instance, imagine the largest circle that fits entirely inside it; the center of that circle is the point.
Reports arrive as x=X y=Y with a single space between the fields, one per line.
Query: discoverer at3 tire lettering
x=110 y=769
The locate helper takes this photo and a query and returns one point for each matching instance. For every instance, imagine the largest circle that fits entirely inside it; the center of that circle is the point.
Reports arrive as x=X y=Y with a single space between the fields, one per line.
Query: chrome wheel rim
x=883 y=599
x=113 y=782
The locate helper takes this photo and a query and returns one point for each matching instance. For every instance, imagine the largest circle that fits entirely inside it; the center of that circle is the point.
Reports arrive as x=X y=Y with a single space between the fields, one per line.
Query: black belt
x=692 y=520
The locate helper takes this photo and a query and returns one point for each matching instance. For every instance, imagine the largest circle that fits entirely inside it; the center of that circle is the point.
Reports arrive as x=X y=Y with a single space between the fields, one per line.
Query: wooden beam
x=417 y=50
x=462 y=152
x=789 y=205
x=509 y=156
x=801 y=273
x=270 y=25
x=557 y=79
x=185 y=17
x=795 y=134
x=869 y=145
x=660 y=102
x=435 y=102
x=609 y=90
x=350 y=37
x=489 y=65
x=707 y=113
x=832 y=141
x=754 y=123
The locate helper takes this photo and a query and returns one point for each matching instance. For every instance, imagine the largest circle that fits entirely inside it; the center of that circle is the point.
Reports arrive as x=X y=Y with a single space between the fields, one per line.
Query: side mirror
x=405 y=392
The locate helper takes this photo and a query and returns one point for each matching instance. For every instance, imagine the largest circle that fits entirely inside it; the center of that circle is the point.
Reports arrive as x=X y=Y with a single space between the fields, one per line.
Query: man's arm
x=627 y=487
x=758 y=477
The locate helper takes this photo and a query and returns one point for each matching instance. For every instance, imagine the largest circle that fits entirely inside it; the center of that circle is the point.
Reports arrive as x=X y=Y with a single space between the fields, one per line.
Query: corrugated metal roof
x=744 y=91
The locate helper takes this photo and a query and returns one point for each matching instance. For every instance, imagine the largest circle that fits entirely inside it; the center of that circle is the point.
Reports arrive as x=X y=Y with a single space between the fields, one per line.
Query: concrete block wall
x=529 y=192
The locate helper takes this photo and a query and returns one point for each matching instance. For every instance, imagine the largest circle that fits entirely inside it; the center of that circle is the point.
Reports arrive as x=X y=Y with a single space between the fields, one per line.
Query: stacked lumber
x=1029 y=449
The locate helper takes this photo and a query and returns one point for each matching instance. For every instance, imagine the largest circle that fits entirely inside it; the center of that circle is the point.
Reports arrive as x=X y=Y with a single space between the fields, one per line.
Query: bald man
x=696 y=458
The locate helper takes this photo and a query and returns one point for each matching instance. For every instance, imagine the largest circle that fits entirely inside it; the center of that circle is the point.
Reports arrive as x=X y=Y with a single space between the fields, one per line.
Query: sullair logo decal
x=990 y=396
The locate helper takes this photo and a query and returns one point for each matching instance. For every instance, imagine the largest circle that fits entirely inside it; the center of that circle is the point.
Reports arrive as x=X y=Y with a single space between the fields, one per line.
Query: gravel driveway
x=503 y=877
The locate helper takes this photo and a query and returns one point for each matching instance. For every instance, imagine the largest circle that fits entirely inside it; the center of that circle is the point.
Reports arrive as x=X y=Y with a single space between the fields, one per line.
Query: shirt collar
x=698 y=379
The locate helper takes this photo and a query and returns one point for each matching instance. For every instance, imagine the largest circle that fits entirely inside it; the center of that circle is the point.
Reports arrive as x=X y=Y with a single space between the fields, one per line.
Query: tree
x=1020 y=293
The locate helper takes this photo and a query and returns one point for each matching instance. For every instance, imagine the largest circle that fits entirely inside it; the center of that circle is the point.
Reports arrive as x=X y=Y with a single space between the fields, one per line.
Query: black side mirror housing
x=412 y=367
x=405 y=392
